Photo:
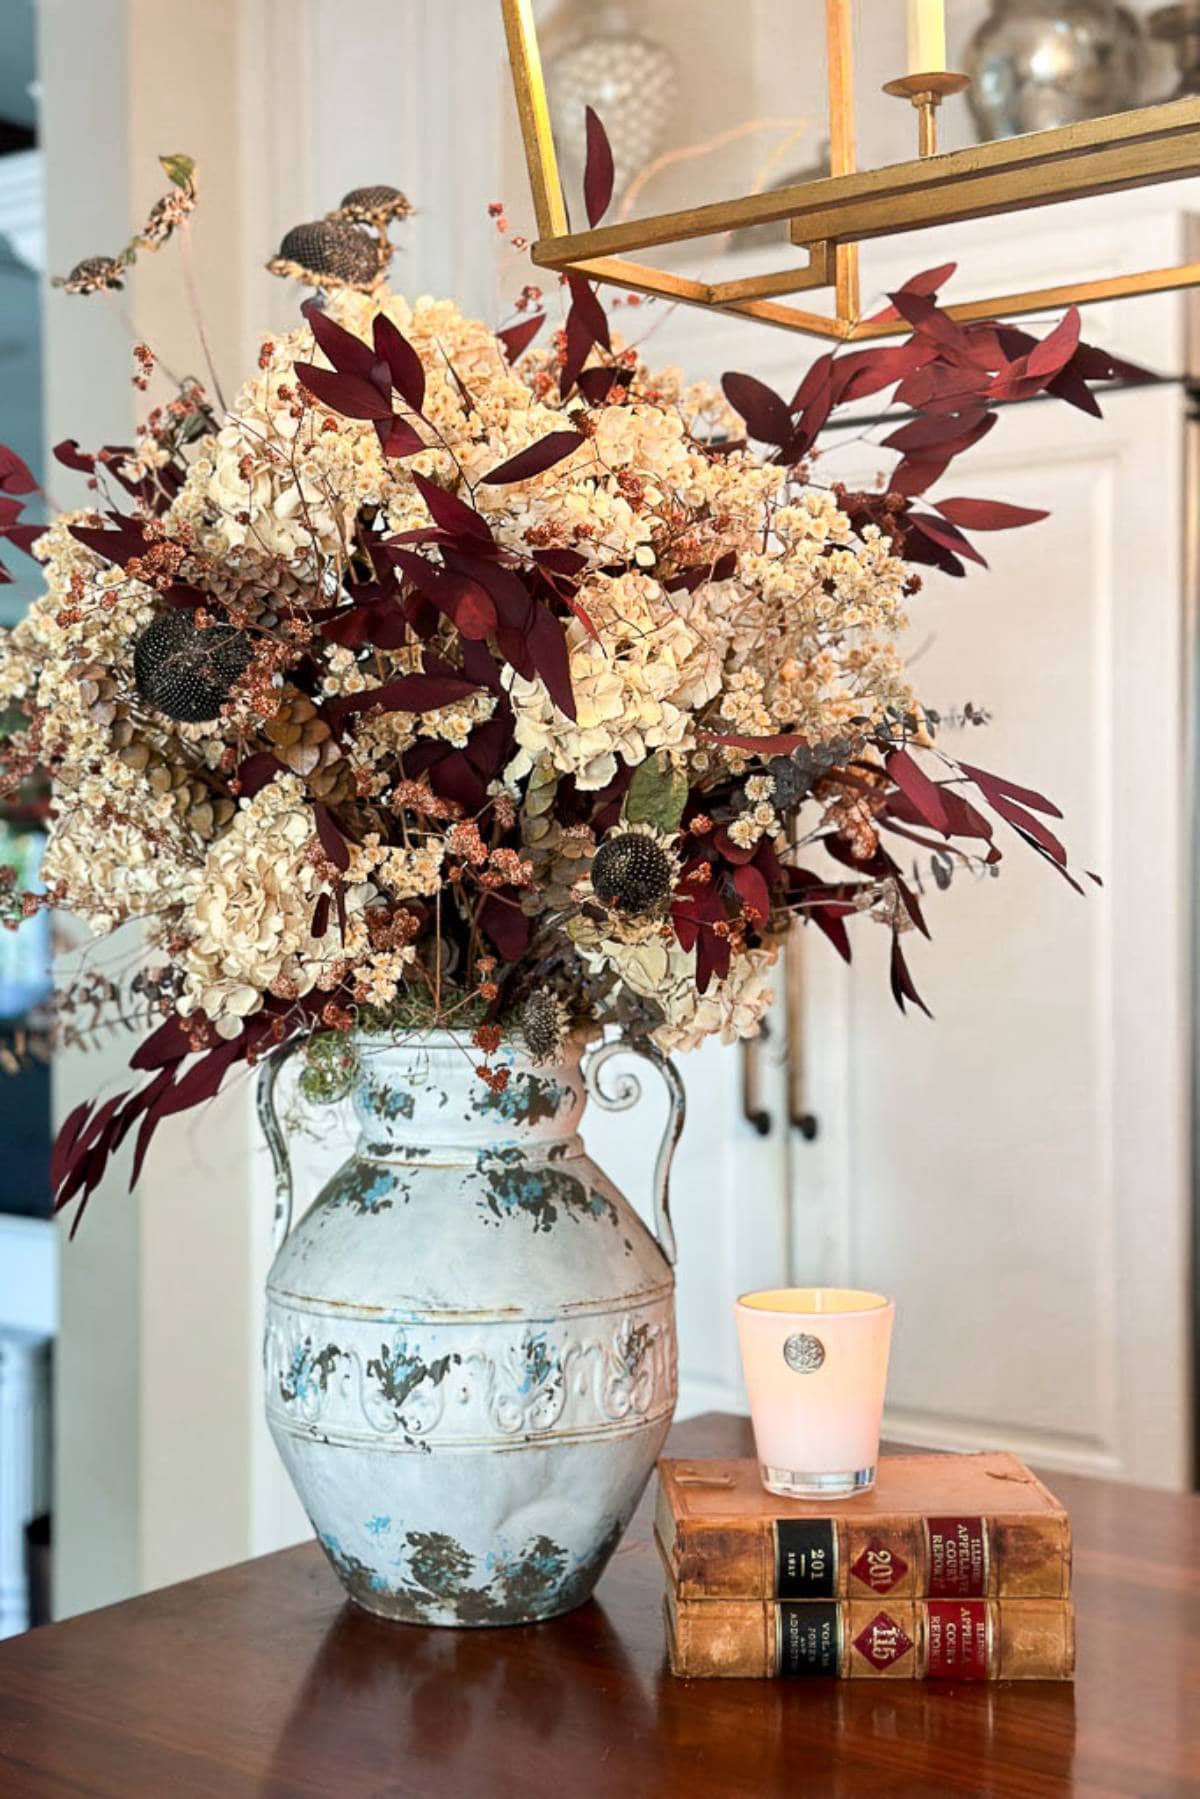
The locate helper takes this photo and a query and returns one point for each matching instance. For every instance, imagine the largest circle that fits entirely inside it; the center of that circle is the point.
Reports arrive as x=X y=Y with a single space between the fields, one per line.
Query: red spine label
x=882 y=1641
x=958 y=1558
x=879 y=1567
x=956 y=1636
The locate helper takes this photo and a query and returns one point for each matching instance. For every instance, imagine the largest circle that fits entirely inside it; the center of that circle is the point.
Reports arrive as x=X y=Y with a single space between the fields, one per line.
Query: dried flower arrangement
x=449 y=680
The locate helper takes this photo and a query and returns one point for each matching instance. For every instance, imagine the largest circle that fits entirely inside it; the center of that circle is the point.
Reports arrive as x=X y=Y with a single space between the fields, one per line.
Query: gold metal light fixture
x=828 y=218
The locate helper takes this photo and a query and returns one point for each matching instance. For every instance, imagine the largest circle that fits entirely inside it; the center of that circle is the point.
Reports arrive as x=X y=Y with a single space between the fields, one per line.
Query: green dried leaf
x=180 y=169
x=657 y=794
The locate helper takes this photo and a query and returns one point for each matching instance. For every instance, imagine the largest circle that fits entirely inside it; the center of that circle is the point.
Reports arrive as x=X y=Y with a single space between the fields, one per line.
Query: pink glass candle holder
x=815 y=1362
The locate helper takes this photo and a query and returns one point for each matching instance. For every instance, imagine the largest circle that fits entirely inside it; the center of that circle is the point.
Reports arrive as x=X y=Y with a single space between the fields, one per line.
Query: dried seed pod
x=93 y=275
x=185 y=673
x=633 y=872
x=376 y=205
x=544 y=1024
x=329 y=254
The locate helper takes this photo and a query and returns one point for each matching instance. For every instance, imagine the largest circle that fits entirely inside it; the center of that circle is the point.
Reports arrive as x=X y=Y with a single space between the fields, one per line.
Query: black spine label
x=810 y=1638
x=805 y=1558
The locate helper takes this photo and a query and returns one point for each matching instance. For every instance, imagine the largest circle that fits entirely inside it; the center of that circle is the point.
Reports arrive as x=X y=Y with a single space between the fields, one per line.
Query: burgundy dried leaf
x=513 y=600
x=398 y=438
x=168 y=1043
x=517 y=338
x=536 y=459
x=782 y=745
x=902 y=982
x=202 y=1080
x=463 y=601
x=560 y=561
x=352 y=396
x=865 y=372
x=818 y=376
x=64 y=1142
x=940 y=431
x=405 y=367
x=348 y=354
x=408 y=693
x=450 y=512
x=948 y=536
x=927 y=283
x=989 y=515
x=914 y=475
x=14 y=475
x=925 y=794
x=753 y=892
x=502 y=921
x=71 y=456
x=1070 y=387
x=546 y=644
x=257 y=772
x=595 y=384
x=586 y=305
x=597 y=170
x=919 y=311
x=767 y=416
x=1057 y=349
x=989 y=784
x=320 y=917
x=332 y=841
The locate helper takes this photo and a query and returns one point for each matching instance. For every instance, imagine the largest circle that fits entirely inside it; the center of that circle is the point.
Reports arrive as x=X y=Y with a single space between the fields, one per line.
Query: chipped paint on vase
x=470 y=1345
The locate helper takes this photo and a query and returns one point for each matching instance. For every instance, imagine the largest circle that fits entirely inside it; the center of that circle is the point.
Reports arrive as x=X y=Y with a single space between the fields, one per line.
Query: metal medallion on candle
x=803 y=1354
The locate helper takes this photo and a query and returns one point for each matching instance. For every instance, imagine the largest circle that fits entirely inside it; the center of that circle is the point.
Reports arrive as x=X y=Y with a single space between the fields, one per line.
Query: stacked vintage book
x=956 y=1567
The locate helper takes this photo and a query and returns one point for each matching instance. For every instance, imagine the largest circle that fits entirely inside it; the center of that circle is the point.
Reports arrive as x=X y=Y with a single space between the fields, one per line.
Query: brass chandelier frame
x=831 y=216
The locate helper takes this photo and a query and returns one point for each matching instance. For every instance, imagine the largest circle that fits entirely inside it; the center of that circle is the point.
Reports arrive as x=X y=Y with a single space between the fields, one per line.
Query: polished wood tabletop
x=262 y=1680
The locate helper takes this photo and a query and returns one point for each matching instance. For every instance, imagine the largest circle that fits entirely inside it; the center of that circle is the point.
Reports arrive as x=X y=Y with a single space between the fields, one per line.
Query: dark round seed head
x=330 y=251
x=543 y=1025
x=185 y=673
x=375 y=202
x=632 y=872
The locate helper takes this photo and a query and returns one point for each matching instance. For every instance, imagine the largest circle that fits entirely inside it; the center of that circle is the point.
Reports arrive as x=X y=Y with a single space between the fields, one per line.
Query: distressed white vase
x=470 y=1341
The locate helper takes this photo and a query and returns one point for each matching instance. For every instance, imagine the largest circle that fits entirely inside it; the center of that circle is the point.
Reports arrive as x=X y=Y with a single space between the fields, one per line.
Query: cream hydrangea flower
x=250 y=913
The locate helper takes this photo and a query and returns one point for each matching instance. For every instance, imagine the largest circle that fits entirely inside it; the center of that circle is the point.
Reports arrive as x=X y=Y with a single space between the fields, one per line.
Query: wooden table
x=261 y=1680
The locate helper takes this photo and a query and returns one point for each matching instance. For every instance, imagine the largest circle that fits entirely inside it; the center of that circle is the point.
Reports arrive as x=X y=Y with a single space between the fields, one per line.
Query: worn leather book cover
x=863 y=1639
x=938 y=1526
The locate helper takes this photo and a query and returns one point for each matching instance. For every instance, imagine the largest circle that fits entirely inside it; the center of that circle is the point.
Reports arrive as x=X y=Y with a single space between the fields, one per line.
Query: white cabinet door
x=1017 y=1173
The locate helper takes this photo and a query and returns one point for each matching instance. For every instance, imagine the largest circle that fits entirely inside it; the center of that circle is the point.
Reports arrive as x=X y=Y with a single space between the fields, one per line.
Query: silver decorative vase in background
x=603 y=58
x=1036 y=64
x=470 y=1336
x=1179 y=27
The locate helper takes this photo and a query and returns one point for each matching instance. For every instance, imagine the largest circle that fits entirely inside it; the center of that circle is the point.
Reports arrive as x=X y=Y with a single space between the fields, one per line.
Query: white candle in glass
x=926 y=36
x=815 y=1361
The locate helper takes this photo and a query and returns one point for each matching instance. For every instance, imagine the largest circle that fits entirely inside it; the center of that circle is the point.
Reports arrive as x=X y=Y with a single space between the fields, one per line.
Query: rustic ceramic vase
x=470 y=1340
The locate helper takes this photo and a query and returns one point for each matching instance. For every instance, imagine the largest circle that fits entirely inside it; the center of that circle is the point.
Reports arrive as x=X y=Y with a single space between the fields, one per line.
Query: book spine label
x=957 y=1558
x=808 y=1638
x=806 y=1558
x=958 y=1639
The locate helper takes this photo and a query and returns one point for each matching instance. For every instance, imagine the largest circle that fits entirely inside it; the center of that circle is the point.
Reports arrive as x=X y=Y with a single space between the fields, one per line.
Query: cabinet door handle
x=799 y=1116
x=753 y=1111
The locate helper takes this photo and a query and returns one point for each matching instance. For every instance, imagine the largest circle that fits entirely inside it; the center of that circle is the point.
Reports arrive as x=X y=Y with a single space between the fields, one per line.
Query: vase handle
x=272 y=1130
x=625 y=1091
